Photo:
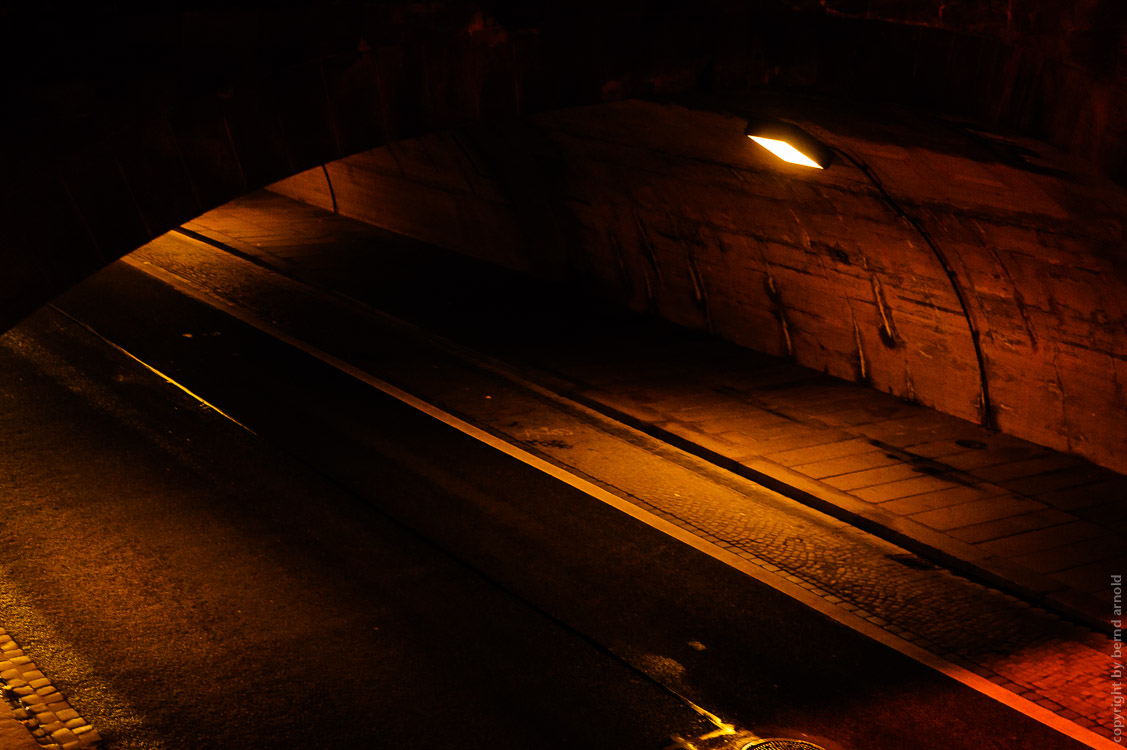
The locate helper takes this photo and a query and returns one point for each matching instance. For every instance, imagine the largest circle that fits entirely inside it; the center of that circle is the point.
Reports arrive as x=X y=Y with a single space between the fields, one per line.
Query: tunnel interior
x=964 y=251
x=964 y=270
x=918 y=345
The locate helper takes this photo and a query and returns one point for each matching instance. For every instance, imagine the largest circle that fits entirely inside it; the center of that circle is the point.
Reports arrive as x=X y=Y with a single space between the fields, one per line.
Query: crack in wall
x=1018 y=298
x=648 y=250
x=887 y=331
x=332 y=192
x=700 y=291
x=985 y=407
x=620 y=261
x=1065 y=430
x=780 y=312
x=860 y=346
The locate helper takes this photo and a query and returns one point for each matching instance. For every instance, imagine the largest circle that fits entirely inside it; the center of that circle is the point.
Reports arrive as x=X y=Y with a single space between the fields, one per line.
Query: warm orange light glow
x=785 y=151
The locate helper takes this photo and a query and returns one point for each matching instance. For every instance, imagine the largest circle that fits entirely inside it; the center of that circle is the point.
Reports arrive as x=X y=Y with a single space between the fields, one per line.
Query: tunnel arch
x=132 y=124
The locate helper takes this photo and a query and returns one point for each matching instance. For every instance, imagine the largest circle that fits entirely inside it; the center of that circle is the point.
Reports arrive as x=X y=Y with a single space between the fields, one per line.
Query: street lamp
x=790 y=143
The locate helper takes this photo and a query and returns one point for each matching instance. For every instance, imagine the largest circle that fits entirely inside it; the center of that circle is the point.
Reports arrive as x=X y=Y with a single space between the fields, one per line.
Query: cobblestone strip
x=38 y=705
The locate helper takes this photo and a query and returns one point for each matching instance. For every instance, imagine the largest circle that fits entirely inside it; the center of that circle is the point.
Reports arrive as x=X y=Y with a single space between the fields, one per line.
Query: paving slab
x=873 y=459
x=848 y=447
x=978 y=512
x=873 y=477
x=1010 y=525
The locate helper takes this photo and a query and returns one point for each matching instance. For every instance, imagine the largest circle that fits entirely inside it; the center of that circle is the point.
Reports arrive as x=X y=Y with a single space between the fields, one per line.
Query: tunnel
x=394 y=373
x=963 y=251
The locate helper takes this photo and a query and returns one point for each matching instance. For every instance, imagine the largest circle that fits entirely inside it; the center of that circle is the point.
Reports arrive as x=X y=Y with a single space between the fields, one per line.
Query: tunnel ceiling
x=957 y=258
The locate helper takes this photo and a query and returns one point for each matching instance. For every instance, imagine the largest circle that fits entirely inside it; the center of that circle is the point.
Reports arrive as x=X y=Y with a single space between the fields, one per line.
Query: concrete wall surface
x=122 y=122
x=956 y=267
x=978 y=274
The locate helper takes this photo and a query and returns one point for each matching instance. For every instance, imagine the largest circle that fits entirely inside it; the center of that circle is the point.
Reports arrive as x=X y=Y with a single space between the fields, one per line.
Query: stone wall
x=979 y=275
x=121 y=124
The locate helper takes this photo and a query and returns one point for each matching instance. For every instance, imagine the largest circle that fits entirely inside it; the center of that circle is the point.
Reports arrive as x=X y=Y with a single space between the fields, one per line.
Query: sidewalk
x=1043 y=525
x=1046 y=526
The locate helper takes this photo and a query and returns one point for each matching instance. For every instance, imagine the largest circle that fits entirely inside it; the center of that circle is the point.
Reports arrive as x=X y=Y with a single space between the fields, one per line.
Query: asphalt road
x=357 y=574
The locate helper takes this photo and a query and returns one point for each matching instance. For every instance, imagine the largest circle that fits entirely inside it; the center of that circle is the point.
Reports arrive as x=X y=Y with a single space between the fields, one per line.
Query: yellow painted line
x=155 y=371
x=854 y=622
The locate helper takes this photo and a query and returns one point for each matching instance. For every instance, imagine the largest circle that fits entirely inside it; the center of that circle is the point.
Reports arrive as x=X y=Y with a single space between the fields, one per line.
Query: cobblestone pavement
x=39 y=706
x=1034 y=653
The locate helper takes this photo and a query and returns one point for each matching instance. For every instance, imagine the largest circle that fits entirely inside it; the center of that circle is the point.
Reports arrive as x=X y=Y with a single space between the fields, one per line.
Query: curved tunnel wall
x=126 y=125
x=921 y=263
x=123 y=125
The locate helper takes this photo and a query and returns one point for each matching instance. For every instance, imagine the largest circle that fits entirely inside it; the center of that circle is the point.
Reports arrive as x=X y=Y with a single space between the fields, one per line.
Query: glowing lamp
x=785 y=151
x=790 y=143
